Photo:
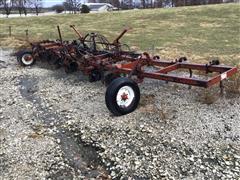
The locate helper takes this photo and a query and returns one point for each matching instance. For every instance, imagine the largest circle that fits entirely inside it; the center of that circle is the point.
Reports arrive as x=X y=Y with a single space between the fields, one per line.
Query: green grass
x=200 y=32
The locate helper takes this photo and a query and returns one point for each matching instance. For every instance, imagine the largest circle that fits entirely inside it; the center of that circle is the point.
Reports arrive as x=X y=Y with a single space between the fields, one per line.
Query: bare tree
x=215 y=1
x=21 y=5
x=171 y=3
x=143 y=2
x=66 y=6
x=115 y=3
x=7 y=6
x=37 y=5
x=177 y=3
x=73 y=5
x=158 y=3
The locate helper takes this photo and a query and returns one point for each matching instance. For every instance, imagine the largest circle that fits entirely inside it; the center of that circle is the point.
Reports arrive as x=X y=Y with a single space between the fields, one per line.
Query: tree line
x=163 y=3
x=74 y=5
x=24 y=6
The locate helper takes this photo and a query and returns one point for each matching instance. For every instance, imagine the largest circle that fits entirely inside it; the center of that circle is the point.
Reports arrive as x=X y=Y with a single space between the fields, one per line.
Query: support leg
x=221 y=88
x=190 y=72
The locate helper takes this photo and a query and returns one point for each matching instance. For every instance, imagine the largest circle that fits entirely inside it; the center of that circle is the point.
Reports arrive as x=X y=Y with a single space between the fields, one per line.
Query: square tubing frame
x=224 y=72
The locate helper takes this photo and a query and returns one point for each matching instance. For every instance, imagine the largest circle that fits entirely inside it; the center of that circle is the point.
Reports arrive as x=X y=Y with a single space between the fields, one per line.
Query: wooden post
x=26 y=34
x=10 y=31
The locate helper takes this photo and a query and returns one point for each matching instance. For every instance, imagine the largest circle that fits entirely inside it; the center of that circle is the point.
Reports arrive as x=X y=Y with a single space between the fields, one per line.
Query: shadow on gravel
x=81 y=157
x=59 y=73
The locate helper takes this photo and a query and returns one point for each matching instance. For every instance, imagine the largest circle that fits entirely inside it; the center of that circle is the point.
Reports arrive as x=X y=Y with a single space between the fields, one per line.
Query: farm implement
x=120 y=68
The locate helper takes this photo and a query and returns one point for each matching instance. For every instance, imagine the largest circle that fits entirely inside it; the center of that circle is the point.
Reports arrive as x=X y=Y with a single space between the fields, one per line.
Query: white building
x=100 y=7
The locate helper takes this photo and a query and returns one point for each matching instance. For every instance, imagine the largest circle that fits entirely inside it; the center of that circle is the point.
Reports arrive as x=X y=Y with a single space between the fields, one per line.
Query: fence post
x=10 y=31
x=26 y=34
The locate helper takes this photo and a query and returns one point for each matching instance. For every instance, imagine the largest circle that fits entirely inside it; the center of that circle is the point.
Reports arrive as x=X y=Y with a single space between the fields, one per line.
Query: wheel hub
x=125 y=96
x=27 y=59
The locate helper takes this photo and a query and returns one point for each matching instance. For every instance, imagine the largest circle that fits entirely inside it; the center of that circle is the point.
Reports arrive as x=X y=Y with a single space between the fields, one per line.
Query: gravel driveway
x=56 y=126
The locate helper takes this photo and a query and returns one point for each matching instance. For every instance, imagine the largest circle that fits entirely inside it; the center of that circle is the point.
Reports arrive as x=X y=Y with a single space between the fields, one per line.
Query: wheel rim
x=27 y=59
x=125 y=96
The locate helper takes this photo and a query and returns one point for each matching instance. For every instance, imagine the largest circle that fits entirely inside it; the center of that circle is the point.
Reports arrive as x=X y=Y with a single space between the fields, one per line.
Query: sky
x=49 y=3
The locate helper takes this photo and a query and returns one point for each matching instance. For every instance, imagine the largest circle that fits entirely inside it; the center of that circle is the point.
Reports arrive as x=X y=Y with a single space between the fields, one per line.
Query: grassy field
x=200 y=32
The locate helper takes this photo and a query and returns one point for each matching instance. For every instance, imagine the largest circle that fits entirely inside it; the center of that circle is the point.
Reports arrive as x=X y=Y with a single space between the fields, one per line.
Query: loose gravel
x=55 y=125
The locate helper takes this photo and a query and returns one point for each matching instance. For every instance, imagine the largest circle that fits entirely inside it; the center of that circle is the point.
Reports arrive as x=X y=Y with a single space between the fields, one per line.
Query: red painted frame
x=135 y=68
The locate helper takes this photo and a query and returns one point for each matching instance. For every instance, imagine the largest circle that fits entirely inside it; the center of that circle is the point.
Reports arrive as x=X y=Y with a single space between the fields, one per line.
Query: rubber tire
x=21 y=54
x=111 y=93
x=110 y=78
